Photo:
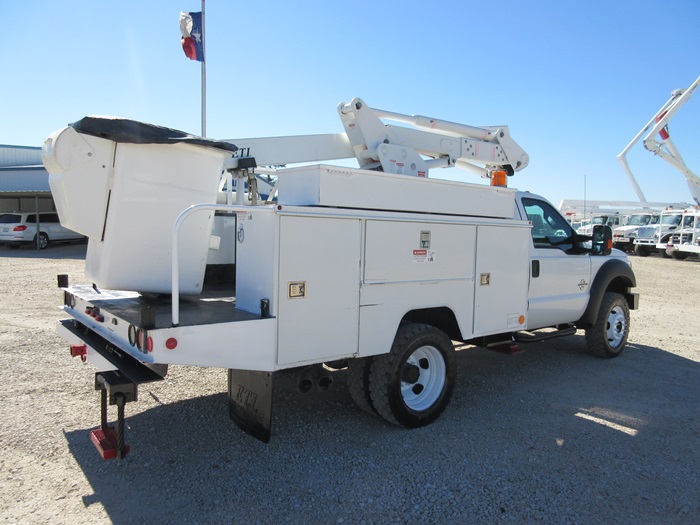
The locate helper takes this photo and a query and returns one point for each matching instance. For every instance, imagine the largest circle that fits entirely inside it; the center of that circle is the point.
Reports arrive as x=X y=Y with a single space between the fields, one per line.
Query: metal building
x=24 y=182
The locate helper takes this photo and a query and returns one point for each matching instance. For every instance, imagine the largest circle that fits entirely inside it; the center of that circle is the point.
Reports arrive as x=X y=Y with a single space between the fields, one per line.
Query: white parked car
x=17 y=228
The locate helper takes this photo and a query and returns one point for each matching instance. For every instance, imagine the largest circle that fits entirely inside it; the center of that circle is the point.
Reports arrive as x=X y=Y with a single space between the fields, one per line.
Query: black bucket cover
x=135 y=132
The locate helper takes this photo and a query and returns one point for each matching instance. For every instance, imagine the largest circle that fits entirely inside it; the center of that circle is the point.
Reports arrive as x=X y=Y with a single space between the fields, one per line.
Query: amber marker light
x=499 y=178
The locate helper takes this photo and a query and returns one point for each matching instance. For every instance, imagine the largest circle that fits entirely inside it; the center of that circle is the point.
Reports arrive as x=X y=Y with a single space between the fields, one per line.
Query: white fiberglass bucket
x=125 y=197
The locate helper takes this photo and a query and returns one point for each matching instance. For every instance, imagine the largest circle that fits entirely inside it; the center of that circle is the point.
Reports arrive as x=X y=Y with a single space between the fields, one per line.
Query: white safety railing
x=176 y=250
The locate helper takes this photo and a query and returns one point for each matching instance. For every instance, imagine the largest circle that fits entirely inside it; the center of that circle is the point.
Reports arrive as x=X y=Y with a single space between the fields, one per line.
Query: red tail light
x=19 y=228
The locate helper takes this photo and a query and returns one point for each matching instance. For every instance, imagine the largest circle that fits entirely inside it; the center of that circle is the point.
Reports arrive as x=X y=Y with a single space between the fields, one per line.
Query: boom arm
x=395 y=149
x=665 y=148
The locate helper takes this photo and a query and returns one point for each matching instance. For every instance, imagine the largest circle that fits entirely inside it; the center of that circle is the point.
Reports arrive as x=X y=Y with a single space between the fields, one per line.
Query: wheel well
x=442 y=318
x=614 y=276
x=619 y=285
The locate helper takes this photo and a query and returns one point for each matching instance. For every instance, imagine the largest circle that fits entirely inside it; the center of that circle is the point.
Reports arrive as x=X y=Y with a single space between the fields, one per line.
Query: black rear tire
x=412 y=384
x=358 y=383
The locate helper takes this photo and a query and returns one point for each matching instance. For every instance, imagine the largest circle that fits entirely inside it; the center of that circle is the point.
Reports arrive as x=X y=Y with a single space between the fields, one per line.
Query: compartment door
x=319 y=287
x=500 y=297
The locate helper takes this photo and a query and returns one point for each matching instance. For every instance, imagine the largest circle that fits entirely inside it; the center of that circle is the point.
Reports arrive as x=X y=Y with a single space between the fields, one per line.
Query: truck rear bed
x=211 y=307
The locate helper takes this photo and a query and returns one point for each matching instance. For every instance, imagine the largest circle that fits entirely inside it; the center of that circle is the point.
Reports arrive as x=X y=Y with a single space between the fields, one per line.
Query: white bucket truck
x=377 y=268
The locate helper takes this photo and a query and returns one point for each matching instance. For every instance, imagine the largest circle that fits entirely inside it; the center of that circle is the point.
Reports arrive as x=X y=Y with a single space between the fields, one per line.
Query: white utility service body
x=340 y=274
x=378 y=271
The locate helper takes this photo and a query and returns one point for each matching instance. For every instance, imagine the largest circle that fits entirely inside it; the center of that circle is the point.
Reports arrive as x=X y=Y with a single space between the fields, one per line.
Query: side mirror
x=602 y=240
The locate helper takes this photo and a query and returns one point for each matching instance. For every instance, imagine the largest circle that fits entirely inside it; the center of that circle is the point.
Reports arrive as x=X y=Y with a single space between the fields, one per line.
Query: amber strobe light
x=499 y=178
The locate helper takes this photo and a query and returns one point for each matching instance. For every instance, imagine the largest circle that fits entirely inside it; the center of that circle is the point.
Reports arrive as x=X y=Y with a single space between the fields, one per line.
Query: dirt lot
x=549 y=436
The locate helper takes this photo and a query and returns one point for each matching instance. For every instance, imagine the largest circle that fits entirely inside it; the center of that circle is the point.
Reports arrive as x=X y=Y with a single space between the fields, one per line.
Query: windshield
x=600 y=220
x=639 y=220
x=671 y=220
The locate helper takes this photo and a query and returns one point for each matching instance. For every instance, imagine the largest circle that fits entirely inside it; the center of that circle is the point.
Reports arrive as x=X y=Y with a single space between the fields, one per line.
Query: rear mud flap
x=250 y=402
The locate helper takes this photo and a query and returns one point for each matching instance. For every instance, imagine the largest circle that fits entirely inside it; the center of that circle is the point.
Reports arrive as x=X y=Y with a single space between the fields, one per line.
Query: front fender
x=615 y=275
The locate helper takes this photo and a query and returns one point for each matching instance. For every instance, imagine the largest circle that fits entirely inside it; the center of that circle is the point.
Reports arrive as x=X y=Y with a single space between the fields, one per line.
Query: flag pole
x=204 y=77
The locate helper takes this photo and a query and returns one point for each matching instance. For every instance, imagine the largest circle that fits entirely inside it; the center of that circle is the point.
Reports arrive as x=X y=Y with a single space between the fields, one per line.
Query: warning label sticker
x=423 y=256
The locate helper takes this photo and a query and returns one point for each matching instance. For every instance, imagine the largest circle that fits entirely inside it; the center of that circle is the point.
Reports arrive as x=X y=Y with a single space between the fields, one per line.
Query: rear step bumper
x=132 y=369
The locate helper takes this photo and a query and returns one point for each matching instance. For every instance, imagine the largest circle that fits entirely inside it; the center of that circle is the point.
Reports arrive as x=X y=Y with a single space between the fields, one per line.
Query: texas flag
x=192 y=37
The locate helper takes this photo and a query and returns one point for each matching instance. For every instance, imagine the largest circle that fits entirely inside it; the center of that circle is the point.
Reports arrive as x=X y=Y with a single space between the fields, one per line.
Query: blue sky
x=573 y=80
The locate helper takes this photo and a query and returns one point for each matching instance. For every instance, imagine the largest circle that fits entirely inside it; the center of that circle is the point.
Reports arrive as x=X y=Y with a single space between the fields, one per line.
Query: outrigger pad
x=250 y=402
x=106 y=443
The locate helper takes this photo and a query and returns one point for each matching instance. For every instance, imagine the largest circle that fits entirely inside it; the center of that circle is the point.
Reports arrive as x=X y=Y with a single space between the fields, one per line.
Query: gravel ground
x=552 y=435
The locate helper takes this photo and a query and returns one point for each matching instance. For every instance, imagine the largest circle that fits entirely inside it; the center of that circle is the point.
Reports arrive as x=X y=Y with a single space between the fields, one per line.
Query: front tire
x=412 y=384
x=641 y=251
x=608 y=335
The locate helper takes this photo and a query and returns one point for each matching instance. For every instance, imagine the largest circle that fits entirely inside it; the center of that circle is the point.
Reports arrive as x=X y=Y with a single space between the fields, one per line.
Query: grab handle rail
x=176 y=250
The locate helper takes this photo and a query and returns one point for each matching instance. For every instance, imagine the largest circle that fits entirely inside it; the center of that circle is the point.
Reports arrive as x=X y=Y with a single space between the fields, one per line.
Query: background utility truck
x=377 y=269
x=657 y=140
x=624 y=236
x=685 y=240
x=655 y=237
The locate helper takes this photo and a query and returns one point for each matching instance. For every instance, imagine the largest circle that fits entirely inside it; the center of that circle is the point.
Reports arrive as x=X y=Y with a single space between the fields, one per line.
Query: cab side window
x=549 y=228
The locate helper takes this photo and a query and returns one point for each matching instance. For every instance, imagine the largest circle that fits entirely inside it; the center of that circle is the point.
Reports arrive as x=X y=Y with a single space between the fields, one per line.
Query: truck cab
x=624 y=236
x=656 y=236
x=609 y=220
x=563 y=265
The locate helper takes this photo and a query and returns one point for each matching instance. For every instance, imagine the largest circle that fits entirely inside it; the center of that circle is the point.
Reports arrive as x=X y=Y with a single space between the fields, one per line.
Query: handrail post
x=175 y=278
